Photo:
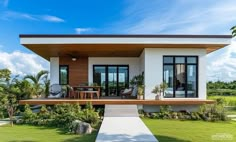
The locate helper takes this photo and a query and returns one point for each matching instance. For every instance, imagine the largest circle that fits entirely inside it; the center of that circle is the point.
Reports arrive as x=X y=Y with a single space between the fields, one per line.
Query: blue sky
x=114 y=17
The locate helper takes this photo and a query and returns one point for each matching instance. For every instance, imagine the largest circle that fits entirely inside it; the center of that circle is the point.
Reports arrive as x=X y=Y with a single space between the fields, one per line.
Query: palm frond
x=32 y=78
x=233 y=29
x=41 y=74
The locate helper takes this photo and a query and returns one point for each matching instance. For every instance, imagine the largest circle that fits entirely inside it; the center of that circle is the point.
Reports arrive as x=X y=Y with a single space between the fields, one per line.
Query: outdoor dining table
x=83 y=91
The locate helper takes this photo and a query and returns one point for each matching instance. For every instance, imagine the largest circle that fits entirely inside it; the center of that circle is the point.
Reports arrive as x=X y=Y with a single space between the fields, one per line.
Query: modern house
x=112 y=60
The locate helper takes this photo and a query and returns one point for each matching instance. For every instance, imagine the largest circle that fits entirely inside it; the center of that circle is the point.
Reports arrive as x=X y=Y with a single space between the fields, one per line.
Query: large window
x=63 y=74
x=180 y=73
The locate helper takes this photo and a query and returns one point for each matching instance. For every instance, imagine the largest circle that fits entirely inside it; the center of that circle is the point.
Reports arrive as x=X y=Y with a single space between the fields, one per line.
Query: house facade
x=111 y=61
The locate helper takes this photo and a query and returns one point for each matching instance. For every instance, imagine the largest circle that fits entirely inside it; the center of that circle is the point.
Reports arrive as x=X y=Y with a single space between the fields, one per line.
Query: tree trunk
x=10 y=114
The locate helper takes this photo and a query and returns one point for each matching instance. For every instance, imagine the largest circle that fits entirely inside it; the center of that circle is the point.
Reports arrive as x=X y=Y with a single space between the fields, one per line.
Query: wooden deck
x=117 y=101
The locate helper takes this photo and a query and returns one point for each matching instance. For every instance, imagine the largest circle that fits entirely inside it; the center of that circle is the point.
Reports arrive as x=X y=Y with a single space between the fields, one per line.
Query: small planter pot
x=158 y=96
x=140 y=97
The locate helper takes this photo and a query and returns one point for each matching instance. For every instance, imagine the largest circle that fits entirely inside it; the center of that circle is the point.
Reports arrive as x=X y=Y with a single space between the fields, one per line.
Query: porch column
x=54 y=70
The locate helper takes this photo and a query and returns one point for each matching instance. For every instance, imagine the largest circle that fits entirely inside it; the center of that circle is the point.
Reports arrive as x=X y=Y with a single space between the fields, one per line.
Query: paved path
x=3 y=122
x=121 y=123
x=232 y=117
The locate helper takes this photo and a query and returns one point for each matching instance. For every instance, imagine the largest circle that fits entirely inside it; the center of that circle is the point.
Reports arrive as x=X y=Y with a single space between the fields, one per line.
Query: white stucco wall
x=142 y=62
x=54 y=70
x=133 y=63
x=154 y=68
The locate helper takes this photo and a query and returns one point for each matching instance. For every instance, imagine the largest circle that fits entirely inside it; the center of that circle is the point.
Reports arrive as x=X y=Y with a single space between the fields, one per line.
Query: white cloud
x=185 y=17
x=222 y=64
x=52 y=18
x=22 y=63
x=8 y=15
x=81 y=30
x=182 y=17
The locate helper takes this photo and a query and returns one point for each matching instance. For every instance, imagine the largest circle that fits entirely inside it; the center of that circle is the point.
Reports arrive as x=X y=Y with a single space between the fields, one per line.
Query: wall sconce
x=73 y=58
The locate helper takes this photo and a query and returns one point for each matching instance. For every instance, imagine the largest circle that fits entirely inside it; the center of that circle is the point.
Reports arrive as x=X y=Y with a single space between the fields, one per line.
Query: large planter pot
x=140 y=97
x=158 y=96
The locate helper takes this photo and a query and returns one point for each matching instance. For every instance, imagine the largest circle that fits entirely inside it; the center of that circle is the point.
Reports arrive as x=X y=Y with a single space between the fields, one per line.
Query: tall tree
x=8 y=102
x=37 y=81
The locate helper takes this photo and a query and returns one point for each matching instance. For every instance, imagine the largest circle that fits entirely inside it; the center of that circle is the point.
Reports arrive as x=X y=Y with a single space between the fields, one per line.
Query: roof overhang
x=117 y=45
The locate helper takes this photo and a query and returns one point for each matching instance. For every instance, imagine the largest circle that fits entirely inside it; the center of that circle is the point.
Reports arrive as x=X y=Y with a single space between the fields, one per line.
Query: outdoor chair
x=126 y=93
x=130 y=93
x=72 y=92
x=55 y=91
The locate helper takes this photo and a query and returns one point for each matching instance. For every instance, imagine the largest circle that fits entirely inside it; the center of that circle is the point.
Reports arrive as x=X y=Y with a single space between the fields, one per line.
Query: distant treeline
x=220 y=88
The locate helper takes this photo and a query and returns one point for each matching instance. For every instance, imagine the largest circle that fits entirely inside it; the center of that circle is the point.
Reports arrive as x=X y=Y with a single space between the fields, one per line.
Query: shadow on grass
x=83 y=138
x=79 y=138
x=162 y=138
x=22 y=141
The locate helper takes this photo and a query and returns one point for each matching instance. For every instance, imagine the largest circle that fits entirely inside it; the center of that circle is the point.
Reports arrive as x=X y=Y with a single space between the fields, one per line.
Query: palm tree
x=37 y=82
x=233 y=29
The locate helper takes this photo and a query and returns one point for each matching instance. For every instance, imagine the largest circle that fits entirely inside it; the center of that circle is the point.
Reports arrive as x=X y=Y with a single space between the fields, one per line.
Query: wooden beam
x=116 y=101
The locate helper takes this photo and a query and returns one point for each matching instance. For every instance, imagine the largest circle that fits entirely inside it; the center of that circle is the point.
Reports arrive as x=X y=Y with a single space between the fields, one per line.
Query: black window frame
x=67 y=77
x=186 y=67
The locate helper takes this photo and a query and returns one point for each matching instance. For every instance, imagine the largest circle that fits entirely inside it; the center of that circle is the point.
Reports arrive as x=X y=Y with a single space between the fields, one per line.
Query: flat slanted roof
x=116 y=45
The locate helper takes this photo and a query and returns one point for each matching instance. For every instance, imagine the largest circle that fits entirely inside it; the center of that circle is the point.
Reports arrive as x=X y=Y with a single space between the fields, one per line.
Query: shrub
x=61 y=115
x=89 y=114
x=28 y=116
x=215 y=112
x=212 y=112
x=65 y=114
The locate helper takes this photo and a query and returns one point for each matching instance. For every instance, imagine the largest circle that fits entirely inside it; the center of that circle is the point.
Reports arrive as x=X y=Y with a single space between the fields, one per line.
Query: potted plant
x=156 y=90
x=140 y=92
x=159 y=90
x=137 y=83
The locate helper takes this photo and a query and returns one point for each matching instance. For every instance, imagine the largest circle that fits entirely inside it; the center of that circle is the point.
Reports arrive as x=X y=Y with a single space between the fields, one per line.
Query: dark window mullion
x=117 y=80
x=186 y=74
x=174 y=80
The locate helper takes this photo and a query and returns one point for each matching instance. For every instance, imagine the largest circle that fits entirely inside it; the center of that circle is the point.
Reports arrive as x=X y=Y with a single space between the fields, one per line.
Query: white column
x=54 y=70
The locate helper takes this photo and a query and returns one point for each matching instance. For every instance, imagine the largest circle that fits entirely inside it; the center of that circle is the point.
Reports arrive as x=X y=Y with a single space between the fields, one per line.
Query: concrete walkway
x=232 y=117
x=4 y=122
x=121 y=123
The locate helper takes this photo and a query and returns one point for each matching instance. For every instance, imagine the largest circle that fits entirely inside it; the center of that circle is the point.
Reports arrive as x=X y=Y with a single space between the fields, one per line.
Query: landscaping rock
x=79 y=127
x=19 y=121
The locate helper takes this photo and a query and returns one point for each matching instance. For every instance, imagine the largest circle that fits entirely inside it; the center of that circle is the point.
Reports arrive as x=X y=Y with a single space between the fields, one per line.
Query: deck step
x=121 y=111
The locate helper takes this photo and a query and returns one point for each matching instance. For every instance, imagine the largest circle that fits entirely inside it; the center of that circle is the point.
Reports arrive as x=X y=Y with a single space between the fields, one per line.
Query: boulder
x=79 y=127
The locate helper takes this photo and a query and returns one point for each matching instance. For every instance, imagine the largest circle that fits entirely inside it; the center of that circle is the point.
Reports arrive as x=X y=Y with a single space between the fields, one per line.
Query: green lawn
x=189 y=131
x=25 y=133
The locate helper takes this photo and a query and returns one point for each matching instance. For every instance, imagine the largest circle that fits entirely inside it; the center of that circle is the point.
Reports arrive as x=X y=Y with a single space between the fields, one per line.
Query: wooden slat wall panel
x=78 y=70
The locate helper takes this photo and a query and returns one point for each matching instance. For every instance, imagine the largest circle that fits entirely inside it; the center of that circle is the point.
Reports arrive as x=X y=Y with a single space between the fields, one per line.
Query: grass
x=229 y=100
x=26 y=133
x=189 y=131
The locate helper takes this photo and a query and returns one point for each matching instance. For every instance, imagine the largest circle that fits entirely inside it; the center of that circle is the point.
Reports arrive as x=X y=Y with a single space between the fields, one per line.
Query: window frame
x=67 y=77
x=186 y=73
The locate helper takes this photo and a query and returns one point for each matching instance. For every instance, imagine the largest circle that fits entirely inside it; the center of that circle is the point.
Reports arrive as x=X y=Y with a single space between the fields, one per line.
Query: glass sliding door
x=112 y=78
x=123 y=78
x=99 y=77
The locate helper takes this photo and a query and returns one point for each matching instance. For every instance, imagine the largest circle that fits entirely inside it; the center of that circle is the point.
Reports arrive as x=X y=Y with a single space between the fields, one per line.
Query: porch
x=104 y=101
